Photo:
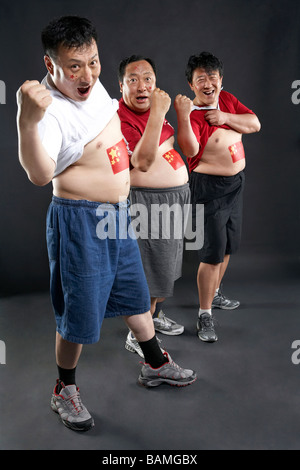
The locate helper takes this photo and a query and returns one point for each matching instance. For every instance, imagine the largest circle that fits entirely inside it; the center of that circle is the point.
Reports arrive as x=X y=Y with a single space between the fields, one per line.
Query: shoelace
x=74 y=401
x=207 y=323
x=223 y=298
x=165 y=321
x=176 y=366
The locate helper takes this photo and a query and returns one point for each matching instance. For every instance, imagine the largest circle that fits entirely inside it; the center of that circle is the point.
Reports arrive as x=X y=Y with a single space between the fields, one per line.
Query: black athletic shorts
x=222 y=197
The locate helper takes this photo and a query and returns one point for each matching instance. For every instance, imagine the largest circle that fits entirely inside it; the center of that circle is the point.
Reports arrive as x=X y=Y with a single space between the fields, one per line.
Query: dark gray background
x=258 y=42
x=247 y=392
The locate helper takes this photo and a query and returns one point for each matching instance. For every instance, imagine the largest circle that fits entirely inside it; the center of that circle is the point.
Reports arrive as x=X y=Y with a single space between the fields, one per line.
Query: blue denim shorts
x=96 y=270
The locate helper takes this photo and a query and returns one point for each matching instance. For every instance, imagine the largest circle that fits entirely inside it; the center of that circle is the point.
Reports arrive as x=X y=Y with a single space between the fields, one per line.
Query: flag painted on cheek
x=237 y=151
x=118 y=157
x=174 y=159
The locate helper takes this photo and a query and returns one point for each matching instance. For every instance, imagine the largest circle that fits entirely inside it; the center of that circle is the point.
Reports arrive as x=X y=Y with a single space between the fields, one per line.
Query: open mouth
x=141 y=99
x=209 y=93
x=83 y=91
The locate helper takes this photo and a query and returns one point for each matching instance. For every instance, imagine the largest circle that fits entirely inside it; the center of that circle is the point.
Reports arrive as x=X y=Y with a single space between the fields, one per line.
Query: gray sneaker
x=165 y=325
x=206 y=328
x=169 y=373
x=220 y=301
x=67 y=403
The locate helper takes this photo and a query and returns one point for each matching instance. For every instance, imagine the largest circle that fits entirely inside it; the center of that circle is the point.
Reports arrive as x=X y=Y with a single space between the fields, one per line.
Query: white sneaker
x=165 y=325
x=132 y=345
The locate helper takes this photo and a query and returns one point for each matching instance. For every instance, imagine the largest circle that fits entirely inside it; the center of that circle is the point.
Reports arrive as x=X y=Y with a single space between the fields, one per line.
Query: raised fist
x=160 y=101
x=183 y=105
x=33 y=99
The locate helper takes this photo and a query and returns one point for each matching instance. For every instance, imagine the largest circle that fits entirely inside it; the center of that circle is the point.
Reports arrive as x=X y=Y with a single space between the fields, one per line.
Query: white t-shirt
x=69 y=125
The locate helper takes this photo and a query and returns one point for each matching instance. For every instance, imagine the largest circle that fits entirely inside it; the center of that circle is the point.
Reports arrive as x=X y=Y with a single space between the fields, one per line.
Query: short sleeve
x=132 y=136
x=239 y=107
x=51 y=136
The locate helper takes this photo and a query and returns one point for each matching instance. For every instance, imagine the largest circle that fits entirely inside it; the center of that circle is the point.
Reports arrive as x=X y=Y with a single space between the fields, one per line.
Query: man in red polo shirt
x=210 y=130
x=158 y=176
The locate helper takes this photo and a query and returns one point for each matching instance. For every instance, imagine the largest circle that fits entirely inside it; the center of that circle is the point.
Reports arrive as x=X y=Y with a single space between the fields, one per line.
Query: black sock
x=67 y=376
x=152 y=353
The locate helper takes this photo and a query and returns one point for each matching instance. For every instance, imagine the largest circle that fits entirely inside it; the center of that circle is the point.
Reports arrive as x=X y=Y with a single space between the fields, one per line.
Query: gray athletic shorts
x=158 y=220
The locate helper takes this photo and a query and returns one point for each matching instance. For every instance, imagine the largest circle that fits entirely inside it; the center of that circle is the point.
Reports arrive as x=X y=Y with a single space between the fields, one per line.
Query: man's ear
x=121 y=87
x=49 y=64
x=191 y=86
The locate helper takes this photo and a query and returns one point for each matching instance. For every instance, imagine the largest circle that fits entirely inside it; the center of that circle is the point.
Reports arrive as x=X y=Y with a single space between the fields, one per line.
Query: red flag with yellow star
x=118 y=157
x=237 y=151
x=174 y=159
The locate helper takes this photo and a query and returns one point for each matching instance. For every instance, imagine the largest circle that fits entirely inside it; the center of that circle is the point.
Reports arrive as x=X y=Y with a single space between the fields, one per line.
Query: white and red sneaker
x=67 y=403
x=169 y=373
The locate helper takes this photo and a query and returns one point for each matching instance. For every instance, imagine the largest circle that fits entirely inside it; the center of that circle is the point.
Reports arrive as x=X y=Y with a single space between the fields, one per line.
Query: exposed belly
x=223 y=154
x=167 y=171
x=102 y=173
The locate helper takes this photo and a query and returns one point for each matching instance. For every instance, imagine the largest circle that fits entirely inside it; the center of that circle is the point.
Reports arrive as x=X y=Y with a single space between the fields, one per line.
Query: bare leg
x=141 y=326
x=207 y=281
x=67 y=354
x=223 y=268
x=154 y=301
x=153 y=305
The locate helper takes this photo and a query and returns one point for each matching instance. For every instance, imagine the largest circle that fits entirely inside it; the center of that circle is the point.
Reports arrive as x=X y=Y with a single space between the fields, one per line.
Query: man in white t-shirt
x=70 y=134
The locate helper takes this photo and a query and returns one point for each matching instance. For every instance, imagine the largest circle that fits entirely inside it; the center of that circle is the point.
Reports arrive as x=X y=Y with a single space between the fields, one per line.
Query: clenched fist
x=215 y=117
x=183 y=105
x=33 y=99
x=160 y=101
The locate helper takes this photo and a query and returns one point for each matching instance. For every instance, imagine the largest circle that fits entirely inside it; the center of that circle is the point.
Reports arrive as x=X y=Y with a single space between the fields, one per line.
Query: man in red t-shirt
x=210 y=130
x=158 y=178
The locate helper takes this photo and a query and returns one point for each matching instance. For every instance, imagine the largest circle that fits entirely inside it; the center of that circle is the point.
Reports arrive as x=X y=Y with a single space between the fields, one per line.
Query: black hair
x=129 y=60
x=206 y=61
x=69 y=31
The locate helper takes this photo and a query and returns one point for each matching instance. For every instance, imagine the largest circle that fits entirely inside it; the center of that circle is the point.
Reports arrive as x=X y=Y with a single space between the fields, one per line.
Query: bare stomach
x=223 y=154
x=167 y=171
x=102 y=173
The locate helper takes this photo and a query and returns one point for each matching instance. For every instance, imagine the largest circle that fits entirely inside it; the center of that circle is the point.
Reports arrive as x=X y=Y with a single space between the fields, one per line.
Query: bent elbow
x=189 y=151
x=142 y=164
x=191 y=154
x=39 y=180
x=143 y=167
x=256 y=125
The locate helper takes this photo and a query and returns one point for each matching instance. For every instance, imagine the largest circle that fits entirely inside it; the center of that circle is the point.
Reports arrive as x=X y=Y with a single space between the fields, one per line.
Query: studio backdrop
x=258 y=42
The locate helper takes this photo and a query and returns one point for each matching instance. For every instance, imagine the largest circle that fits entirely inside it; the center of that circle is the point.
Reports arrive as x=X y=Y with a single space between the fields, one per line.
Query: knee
x=141 y=325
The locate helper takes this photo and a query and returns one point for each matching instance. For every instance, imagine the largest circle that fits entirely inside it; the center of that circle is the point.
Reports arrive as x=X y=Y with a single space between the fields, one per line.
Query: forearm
x=33 y=157
x=243 y=123
x=146 y=150
x=186 y=138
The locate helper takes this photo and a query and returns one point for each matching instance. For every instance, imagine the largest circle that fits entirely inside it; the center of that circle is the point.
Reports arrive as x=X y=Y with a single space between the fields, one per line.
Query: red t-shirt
x=203 y=130
x=133 y=126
